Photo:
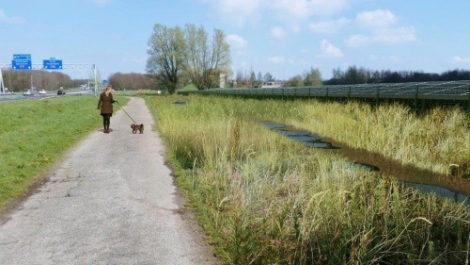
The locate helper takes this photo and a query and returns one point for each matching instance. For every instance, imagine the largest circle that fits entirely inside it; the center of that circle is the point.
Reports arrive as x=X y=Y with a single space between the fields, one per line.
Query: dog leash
x=127 y=113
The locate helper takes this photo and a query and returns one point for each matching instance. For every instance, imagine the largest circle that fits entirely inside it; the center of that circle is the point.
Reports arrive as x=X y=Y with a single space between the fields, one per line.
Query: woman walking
x=105 y=105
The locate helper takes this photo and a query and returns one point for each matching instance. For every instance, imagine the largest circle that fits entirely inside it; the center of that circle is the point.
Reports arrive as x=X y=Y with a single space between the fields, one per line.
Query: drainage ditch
x=448 y=186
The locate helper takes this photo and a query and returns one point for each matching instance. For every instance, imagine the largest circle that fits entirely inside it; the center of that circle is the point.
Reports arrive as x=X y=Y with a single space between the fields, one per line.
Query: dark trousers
x=106 y=120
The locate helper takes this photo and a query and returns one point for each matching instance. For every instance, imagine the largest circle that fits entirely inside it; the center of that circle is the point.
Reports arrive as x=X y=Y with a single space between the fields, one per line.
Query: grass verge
x=36 y=133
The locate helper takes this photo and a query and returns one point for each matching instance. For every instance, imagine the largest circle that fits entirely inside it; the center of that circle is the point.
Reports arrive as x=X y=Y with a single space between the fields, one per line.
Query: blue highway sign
x=21 y=62
x=52 y=64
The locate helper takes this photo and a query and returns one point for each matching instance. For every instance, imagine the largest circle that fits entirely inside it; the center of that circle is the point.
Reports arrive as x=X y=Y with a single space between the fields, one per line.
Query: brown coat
x=105 y=104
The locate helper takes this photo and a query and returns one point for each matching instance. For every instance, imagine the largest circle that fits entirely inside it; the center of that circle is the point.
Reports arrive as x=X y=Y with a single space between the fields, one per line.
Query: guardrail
x=417 y=93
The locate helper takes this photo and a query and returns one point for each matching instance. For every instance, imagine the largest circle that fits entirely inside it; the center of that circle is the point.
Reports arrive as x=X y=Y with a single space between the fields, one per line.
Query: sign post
x=52 y=64
x=21 y=62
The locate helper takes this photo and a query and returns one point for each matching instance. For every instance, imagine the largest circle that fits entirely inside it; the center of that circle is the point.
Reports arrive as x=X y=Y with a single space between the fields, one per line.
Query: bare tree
x=239 y=76
x=268 y=77
x=129 y=81
x=204 y=60
x=166 y=51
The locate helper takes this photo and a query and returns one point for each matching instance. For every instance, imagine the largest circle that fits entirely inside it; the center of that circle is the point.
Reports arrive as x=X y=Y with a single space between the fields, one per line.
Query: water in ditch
x=180 y=102
x=452 y=187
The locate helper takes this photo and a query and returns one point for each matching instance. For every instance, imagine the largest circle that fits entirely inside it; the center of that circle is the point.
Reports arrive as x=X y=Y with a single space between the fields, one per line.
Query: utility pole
x=94 y=77
x=2 y=85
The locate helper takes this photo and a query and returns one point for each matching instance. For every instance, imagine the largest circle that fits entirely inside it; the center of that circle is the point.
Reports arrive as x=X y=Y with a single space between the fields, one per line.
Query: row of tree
x=179 y=56
x=311 y=77
x=17 y=81
x=132 y=81
x=355 y=75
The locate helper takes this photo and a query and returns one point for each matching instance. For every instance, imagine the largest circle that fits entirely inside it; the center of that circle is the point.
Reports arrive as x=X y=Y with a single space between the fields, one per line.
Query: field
x=265 y=199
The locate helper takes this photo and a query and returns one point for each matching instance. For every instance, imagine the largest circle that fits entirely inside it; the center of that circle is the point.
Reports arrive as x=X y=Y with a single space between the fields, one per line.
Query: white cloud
x=5 y=18
x=382 y=29
x=383 y=36
x=277 y=32
x=460 y=60
x=236 y=41
x=327 y=27
x=240 y=12
x=376 y=18
x=237 y=11
x=328 y=50
x=302 y=9
x=276 y=59
x=395 y=35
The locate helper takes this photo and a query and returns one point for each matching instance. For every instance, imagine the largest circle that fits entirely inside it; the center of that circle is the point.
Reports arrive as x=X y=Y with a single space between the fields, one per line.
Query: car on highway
x=27 y=93
x=60 y=92
x=42 y=92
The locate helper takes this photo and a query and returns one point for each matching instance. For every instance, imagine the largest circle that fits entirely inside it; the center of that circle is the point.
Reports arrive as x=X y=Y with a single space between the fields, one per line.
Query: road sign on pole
x=52 y=64
x=21 y=62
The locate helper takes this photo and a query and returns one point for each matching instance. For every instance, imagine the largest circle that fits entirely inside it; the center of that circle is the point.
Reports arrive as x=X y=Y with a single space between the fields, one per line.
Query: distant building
x=218 y=78
x=273 y=84
x=222 y=79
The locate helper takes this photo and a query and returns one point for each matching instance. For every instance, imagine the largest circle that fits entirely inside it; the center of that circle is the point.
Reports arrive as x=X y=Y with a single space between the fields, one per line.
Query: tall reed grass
x=432 y=141
x=267 y=200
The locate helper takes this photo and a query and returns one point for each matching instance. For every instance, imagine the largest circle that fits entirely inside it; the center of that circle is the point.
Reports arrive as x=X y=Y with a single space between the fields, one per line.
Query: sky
x=281 y=37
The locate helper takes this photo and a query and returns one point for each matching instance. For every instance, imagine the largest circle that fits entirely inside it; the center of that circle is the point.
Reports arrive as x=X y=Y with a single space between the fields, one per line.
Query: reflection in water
x=365 y=166
x=180 y=102
x=443 y=192
x=448 y=186
x=305 y=137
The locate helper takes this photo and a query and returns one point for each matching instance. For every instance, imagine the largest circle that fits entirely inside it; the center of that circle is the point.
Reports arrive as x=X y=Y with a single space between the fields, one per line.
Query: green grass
x=189 y=87
x=35 y=133
x=265 y=199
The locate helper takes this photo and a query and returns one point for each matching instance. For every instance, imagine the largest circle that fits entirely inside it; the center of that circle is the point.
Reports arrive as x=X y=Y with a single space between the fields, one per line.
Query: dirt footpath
x=111 y=200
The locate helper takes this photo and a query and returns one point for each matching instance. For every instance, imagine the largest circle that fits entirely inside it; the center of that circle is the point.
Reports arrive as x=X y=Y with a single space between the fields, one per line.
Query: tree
x=166 y=50
x=204 y=60
x=19 y=80
x=260 y=77
x=295 y=81
x=313 y=77
x=253 y=79
x=131 y=81
x=268 y=77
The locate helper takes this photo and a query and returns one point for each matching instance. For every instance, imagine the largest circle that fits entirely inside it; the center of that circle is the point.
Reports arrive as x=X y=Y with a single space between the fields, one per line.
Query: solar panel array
x=451 y=90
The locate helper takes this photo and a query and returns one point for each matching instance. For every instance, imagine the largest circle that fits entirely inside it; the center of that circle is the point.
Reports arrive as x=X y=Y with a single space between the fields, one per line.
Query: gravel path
x=110 y=200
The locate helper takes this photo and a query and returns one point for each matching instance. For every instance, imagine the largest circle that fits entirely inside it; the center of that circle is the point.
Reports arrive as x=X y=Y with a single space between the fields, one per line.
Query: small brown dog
x=137 y=127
